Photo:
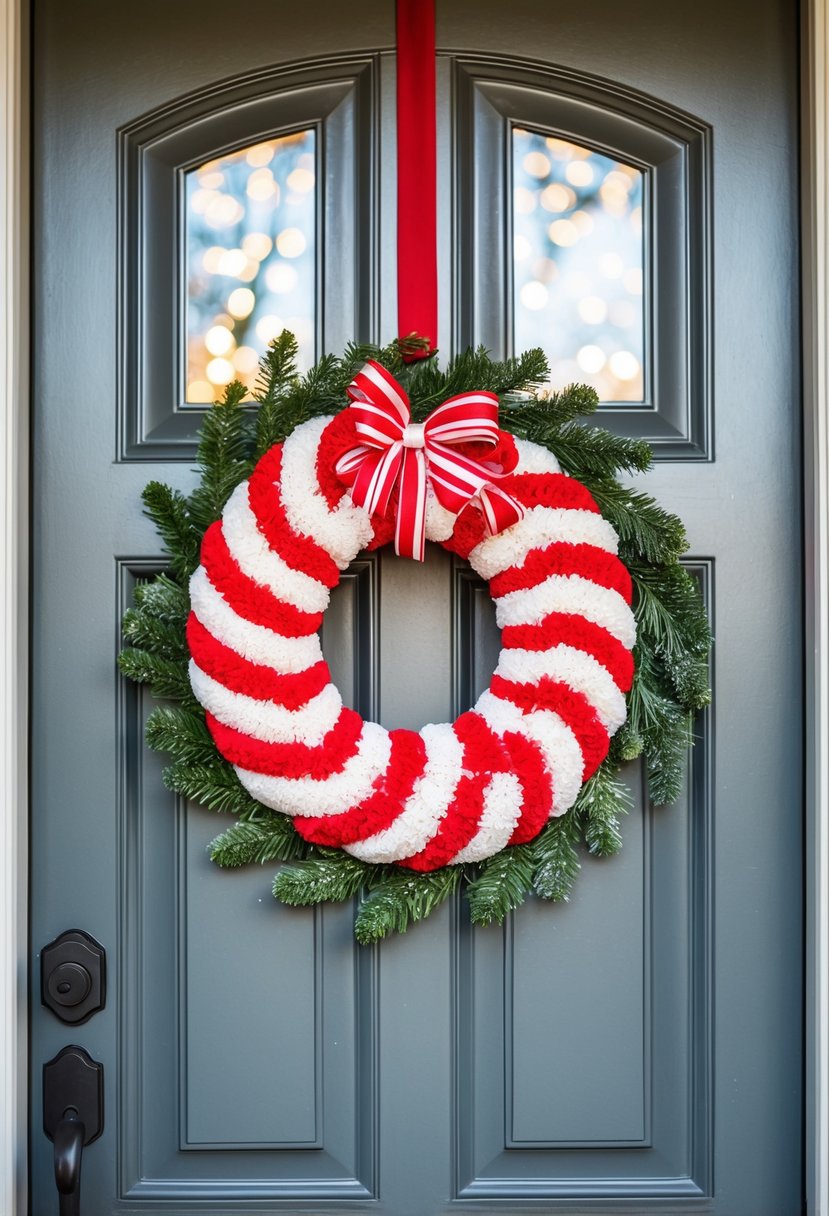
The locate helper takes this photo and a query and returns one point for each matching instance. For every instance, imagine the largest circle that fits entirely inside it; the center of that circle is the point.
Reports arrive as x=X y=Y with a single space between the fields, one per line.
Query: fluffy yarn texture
x=452 y=792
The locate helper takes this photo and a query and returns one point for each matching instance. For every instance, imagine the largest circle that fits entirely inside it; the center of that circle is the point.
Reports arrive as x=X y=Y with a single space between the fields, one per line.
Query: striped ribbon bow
x=393 y=447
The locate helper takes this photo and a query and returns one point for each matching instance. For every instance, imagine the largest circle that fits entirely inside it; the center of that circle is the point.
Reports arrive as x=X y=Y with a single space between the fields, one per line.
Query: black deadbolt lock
x=73 y=976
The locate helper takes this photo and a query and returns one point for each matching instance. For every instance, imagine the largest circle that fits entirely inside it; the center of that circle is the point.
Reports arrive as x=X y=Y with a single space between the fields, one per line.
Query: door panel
x=639 y=1045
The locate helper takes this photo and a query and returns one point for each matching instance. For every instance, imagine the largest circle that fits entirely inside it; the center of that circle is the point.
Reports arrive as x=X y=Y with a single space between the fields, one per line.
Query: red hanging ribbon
x=417 y=275
x=418 y=454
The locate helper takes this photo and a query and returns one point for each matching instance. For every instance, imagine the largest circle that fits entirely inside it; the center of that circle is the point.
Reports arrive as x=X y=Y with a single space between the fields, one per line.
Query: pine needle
x=501 y=886
x=556 y=862
x=320 y=880
x=401 y=898
x=271 y=838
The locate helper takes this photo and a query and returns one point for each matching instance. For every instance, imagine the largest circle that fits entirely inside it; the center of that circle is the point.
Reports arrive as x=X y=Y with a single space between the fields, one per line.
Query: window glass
x=579 y=263
x=251 y=260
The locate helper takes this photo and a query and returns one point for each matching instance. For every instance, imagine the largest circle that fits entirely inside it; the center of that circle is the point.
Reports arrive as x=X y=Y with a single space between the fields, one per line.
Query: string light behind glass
x=578 y=264
x=251 y=260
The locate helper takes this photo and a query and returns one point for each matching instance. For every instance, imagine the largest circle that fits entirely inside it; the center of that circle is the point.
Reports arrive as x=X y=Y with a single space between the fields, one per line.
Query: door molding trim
x=14 y=590
x=14 y=584
x=815 y=226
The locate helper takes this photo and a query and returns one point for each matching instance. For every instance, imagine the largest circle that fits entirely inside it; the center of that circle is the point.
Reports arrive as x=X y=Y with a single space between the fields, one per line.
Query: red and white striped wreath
x=450 y=792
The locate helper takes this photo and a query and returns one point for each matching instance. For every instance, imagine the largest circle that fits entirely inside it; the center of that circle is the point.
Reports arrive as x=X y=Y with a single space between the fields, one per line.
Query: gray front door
x=640 y=1046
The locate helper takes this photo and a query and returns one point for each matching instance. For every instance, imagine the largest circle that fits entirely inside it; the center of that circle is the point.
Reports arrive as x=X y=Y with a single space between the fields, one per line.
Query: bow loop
x=394 y=450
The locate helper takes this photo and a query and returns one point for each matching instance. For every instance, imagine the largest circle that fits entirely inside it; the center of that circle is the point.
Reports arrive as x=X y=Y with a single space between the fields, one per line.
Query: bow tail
x=500 y=510
x=410 y=528
x=375 y=477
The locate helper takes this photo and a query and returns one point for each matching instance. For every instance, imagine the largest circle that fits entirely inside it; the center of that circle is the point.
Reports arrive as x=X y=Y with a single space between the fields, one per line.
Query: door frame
x=15 y=575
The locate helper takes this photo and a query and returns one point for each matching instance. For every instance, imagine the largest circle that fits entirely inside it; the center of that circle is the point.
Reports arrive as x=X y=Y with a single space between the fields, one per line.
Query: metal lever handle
x=69 y=1138
x=73 y=1115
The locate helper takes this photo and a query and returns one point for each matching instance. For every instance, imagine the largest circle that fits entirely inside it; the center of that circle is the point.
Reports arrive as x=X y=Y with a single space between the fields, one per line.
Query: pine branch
x=358 y=353
x=542 y=419
x=556 y=860
x=666 y=764
x=501 y=886
x=277 y=376
x=626 y=745
x=224 y=456
x=320 y=879
x=214 y=785
x=671 y=620
x=401 y=898
x=321 y=391
x=664 y=726
x=149 y=633
x=271 y=838
x=182 y=733
x=429 y=386
x=167 y=680
x=168 y=510
x=601 y=801
x=589 y=453
x=644 y=528
x=164 y=600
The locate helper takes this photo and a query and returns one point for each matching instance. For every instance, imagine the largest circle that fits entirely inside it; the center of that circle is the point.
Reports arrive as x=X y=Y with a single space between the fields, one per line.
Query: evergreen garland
x=671 y=654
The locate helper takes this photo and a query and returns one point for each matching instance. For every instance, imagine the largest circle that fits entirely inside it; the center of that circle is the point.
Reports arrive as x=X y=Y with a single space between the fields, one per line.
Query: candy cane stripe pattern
x=449 y=793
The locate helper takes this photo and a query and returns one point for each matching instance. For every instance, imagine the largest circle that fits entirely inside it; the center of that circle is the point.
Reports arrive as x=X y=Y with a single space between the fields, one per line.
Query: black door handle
x=69 y=1137
x=73 y=1116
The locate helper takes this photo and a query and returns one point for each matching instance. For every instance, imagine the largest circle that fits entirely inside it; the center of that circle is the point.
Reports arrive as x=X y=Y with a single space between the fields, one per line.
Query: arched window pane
x=579 y=264
x=251 y=260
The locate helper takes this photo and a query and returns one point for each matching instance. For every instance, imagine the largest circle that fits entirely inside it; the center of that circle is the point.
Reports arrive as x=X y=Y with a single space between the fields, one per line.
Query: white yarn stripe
x=257 y=560
x=532 y=458
x=572 y=594
x=558 y=743
x=541 y=526
x=440 y=523
x=427 y=804
x=253 y=642
x=264 y=720
x=333 y=795
x=342 y=532
x=502 y=804
x=580 y=671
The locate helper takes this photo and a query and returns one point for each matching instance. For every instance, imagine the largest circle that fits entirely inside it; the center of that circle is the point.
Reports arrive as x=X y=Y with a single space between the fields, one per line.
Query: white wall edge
x=14 y=587
x=815 y=227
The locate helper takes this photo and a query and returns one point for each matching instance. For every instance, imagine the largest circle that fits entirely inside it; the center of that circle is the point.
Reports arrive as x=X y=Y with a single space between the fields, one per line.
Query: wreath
x=604 y=639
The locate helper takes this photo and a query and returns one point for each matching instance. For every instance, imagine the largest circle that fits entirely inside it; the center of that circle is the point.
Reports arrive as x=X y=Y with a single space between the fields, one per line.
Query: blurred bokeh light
x=251 y=260
x=578 y=264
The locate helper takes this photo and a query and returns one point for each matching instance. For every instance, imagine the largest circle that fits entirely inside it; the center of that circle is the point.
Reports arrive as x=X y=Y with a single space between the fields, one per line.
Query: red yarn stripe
x=576 y=631
x=383 y=805
x=253 y=679
x=290 y=759
x=587 y=561
x=468 y=532
x=482 y=756
x=298 y=551
x=550 y=490
x=417 y=282
x=339 y=436
x=571 y=706
x=536 y=785
x=247 y=598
